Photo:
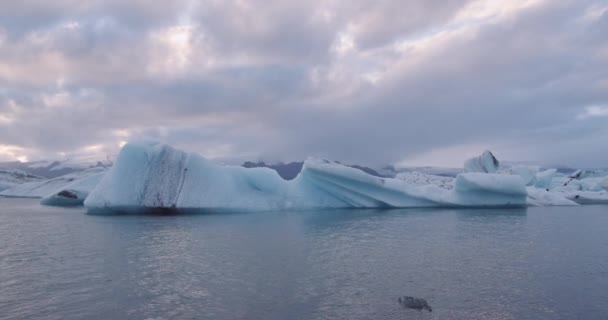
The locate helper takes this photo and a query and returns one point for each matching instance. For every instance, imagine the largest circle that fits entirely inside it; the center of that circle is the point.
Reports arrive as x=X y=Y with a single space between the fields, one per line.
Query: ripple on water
x=540 y=263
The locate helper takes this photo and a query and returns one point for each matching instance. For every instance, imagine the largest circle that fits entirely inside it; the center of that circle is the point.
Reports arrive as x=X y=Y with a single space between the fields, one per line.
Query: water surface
x=536 y=263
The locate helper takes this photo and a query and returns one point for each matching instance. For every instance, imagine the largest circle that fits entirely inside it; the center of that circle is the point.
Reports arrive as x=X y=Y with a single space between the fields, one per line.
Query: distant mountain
x=289 y=171
x=53 y=169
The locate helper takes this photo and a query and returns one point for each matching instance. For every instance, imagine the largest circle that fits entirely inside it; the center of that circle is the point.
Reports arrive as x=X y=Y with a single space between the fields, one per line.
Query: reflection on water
x=538 y=263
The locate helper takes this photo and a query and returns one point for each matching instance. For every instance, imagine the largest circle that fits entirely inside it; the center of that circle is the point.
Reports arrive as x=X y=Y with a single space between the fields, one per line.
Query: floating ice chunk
x=581 y=191
x=74 y=193
x=565 y=184
x=596 y=173
x=485 y=163
x=544 y=178
x=482 y=189
x=588 y=197
x=527 y=173
x=64 y=198
x=578 y=174
x=542 y=197
x=466 y=182
x=588 y=173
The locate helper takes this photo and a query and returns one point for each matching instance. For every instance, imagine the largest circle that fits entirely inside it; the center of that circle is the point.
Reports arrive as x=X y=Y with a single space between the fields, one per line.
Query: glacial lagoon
x=534 y=263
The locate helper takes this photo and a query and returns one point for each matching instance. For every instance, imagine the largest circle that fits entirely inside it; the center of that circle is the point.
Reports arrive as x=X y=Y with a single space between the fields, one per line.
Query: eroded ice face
x=485 y=163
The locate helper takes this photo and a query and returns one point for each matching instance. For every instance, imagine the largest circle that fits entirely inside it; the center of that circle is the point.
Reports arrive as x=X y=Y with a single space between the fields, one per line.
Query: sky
x=402 y=82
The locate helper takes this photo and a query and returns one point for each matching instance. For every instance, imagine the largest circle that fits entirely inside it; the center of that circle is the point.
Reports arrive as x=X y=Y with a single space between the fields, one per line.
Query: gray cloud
x=284 y=80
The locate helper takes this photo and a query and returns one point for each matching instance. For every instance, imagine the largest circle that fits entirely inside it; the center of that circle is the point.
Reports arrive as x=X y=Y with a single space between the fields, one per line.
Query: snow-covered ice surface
x=151 y=175
x=542 y=197
x=588 y=197
x=582 y=191
x=423 y=179
x=537 y=195
x=55 y=168
x=548 y=187
x=392 y=172
x=79 y=184
x=604 y=184
x=10 y=178
x=81 y=163
x=567 y=184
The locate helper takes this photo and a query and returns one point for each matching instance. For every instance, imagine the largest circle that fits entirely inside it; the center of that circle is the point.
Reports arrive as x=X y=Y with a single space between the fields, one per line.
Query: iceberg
x=152 y=175
x=541 y=197
x=74 y=193
x=565 y=184
x=537 y=195
x=548 y=188
x=544 y=178
x=485 y=163
x=528 y=173
x=579 y=190
x=491 y=189
x=588 y=197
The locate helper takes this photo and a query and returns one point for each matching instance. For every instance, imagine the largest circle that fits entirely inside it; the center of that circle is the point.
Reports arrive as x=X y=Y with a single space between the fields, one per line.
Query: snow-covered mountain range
x=56 y=168
x=12 y=177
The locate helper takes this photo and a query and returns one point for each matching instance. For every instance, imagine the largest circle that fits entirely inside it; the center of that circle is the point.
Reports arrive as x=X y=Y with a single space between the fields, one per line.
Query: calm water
x=539 y=263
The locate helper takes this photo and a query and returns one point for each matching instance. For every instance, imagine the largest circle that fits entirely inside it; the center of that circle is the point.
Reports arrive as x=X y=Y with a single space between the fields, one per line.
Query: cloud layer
x=384 y=82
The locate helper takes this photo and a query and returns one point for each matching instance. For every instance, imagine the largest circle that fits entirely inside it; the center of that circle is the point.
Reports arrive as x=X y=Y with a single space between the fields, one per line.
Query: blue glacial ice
x=152 y=175
x=485 y=163
x=544 y=178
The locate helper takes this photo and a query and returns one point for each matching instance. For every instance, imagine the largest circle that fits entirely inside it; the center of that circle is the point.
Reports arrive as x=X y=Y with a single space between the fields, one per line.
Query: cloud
x=594 y=111
x=372 y=83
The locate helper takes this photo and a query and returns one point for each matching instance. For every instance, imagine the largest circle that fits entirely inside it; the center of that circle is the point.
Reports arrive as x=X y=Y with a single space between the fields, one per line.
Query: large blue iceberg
x=152 y=175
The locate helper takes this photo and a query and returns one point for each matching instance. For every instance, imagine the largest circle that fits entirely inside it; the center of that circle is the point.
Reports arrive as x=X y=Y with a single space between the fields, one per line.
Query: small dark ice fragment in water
x=414 y=303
